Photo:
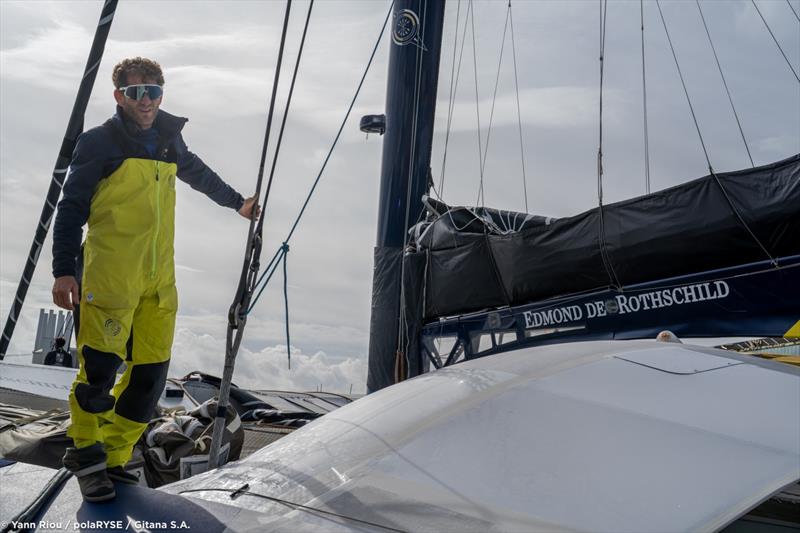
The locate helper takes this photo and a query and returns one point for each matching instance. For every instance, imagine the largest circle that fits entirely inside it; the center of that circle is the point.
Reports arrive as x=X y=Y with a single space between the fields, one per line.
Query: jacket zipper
x=158 y=224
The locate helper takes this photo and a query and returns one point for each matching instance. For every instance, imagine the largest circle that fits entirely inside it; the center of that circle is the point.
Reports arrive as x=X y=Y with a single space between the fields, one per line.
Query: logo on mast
x=406 y=29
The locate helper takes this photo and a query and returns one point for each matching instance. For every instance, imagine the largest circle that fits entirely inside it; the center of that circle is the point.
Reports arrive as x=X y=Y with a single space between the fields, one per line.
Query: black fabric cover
x=40 y=438
x=383 y=322
x=276 y=417
x=414 y=276
x=482 y=258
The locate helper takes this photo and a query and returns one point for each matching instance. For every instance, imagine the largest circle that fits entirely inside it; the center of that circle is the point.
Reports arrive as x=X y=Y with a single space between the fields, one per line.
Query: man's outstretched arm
x=200 y=177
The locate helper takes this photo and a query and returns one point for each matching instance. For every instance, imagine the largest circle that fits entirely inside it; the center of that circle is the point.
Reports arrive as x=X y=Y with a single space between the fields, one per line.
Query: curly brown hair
x=146 y=68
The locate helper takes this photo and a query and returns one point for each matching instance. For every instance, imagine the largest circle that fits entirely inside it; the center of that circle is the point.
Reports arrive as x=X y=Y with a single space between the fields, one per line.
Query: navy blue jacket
x=100 y=151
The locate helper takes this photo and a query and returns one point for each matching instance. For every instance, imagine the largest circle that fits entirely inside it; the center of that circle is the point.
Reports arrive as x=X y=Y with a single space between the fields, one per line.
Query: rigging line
x=793 y=11
x=330 y=151
x=286 y=305
x=250 y=264
x=644 y=106
x=341 y=127
x=266 y=276
x=775 y=39
x=612 y=275
x=418 y=91
x=494 y=95
x=725 y=83
x=455 y=91
x=603 y=13
x=742 y=221
x=683 y=83
x=450 y=102
x=285 y=248
x=237 y=318
x=294 y=505
x=710 y=169
x=519 y=114
x=401 y=324
x=414 y=126
x=277 y=150
x=481 y=197
x=285 y=116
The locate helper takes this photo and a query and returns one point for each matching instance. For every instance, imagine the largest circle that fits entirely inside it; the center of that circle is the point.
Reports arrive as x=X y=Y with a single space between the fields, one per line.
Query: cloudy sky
x=219 y=60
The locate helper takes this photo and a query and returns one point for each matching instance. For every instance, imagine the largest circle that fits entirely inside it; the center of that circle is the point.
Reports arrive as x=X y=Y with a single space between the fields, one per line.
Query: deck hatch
x=678 y=361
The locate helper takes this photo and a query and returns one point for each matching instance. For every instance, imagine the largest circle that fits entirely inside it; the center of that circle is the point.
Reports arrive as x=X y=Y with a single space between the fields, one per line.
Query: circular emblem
x=611 y=307
x=89 y=296
x=112 y=327
x=406 y=27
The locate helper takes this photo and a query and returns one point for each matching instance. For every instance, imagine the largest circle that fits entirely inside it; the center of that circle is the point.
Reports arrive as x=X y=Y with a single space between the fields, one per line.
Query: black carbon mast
x=74 y=129
x=405 y=170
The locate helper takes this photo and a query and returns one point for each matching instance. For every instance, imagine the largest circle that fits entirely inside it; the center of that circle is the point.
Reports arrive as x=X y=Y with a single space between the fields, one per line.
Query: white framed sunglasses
x=137 y=92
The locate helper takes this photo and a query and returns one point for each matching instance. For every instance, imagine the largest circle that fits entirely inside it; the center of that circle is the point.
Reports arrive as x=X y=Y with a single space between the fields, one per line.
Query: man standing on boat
x=122 y=183
x=58 y=356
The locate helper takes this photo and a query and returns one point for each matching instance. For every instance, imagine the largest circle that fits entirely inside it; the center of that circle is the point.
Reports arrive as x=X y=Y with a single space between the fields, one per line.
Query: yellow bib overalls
x=128 y=307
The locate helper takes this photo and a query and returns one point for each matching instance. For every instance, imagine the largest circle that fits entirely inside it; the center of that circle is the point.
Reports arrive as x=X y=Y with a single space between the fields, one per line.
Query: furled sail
x=468 y=259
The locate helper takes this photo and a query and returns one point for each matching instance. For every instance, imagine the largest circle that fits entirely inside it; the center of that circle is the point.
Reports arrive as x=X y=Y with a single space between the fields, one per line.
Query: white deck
x=48 y=381
x=600 y=436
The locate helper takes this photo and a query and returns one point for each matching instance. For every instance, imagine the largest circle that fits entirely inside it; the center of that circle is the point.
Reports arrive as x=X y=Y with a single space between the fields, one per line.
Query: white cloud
x=780 y=146
x=207 y=86
x=262 y=362
x=550 y=107
x=268 y=368
x=37 y=62
x=187 y=268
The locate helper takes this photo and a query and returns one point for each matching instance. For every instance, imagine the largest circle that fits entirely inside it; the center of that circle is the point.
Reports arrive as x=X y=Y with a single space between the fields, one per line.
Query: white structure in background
x=52 y=324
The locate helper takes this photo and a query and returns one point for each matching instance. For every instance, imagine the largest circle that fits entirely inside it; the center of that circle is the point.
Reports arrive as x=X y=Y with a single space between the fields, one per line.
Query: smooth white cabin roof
x=601 y=436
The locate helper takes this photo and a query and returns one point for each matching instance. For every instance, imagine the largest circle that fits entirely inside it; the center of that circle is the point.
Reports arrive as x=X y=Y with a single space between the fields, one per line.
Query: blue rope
x=285 y=249
x=278 y=258
x=266 y=276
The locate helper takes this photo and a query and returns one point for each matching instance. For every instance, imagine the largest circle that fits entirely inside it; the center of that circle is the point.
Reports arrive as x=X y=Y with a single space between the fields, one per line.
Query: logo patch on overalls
x=112 y=327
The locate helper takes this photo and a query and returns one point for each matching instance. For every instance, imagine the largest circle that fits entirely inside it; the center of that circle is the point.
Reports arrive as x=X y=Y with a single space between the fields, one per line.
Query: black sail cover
x=469 y=259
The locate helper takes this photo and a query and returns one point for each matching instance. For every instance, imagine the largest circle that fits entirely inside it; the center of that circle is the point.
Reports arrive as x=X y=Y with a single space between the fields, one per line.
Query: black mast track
x=74 y=129
x=410 y=108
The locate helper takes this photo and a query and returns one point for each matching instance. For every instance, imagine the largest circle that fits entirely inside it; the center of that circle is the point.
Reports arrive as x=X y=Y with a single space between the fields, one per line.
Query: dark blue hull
x=752 y=300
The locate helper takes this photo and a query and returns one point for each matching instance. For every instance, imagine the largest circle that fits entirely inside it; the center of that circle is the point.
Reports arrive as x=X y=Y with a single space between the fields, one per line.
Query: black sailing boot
x=89 y=466
x=118 y=473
